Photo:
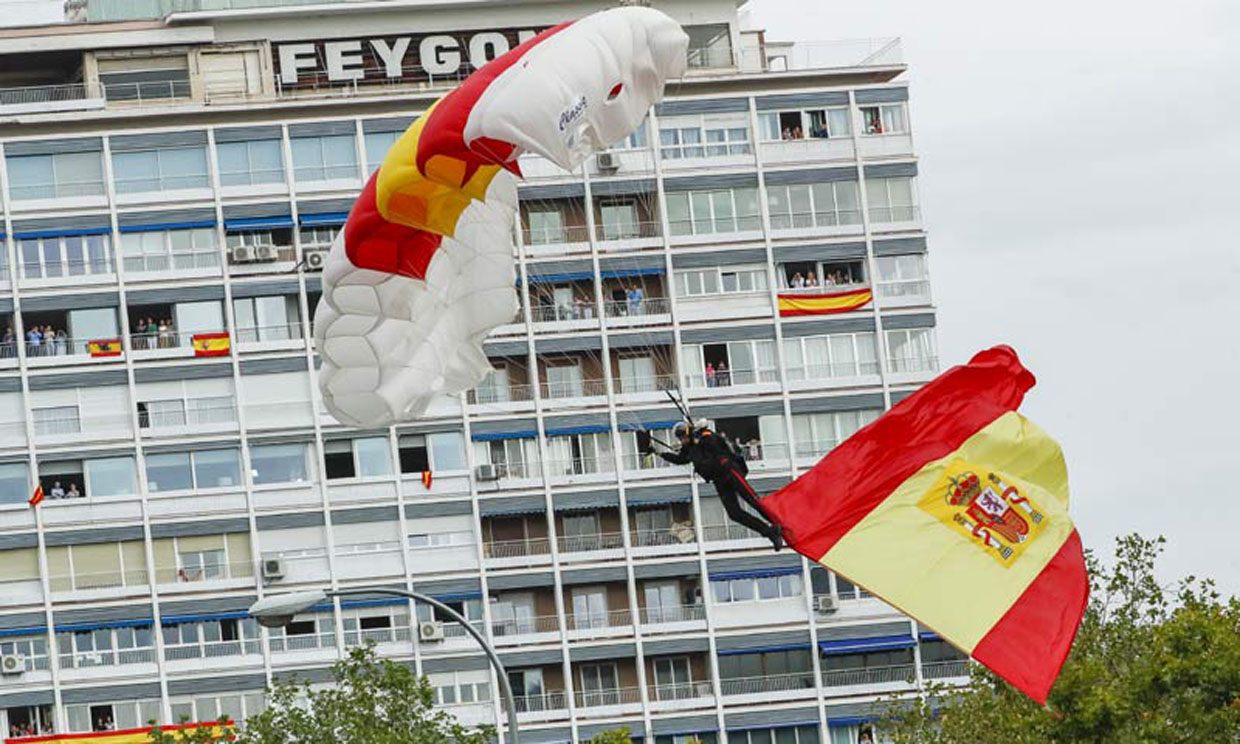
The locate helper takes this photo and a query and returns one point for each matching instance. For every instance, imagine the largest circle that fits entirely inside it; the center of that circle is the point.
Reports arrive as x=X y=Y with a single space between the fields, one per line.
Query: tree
x=373 y=701
x=1148 y=665
x=619 y=736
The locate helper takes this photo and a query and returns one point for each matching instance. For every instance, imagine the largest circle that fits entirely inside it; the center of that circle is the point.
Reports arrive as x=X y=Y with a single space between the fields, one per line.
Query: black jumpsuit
x=714 y=460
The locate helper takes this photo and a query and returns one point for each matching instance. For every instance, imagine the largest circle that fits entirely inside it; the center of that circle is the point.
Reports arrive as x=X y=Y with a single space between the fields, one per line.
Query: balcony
x=590 y=543
x=886 y=215
x=913 y=365
x=64 y=349
x=510 y=628
x=573 y=389
x=904 y=292
x=541 y=703
x=625 y=236
x=302 y=642
x=496 y=394
x=600 y=620
x=394 y=634
x=728 y=532
x=205 y=573
x=516 y=548
x=672 y=536
x=106 y=657
x=212 y=650
x=568 y=315
x=901 y=674
x=795 y=682
x=557 y=240
x=601 y=698
x=807 y=150
x=945 y=669
x=172 y=262
x=212 y=412
x=84 y=580
x=578 y=466
x=47 y=99
x=680 y=692
x=274 y=336
x=637 y=312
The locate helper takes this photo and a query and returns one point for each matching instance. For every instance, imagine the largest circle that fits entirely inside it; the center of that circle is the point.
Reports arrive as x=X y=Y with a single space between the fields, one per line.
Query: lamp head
x=279 y=610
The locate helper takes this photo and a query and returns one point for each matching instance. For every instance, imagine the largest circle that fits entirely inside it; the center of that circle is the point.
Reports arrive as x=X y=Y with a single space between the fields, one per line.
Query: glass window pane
x=374 y=457
x=14 y=487
x=219 y=468
x=447 y=450
x=110 y=476
x=278 y=463
x=168 y=472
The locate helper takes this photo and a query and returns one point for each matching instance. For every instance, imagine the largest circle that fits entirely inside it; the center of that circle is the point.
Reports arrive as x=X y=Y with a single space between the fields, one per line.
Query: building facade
x=171 y=177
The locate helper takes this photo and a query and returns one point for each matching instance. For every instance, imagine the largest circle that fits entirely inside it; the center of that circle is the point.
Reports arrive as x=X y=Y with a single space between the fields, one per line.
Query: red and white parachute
x=423 y=269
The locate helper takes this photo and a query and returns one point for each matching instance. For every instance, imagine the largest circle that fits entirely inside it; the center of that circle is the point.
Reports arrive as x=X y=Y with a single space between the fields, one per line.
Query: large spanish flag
x=211 y=344
x=954 y=508
x=792 y=305
x=129 y=736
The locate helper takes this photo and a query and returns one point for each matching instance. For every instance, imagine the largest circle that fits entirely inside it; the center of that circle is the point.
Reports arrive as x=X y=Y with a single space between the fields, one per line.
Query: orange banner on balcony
x=211 y=344
x=127 y=736
x=104 y=347
x=791 y=305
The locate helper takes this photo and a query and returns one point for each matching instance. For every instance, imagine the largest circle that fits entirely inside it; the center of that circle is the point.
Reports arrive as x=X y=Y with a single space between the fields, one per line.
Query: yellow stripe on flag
x=128 y=736
x=972 y=584
x=791 y=305
x=211 y=344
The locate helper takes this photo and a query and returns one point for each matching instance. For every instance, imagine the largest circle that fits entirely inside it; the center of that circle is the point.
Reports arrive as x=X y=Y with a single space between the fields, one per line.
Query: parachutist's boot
x=776 y=536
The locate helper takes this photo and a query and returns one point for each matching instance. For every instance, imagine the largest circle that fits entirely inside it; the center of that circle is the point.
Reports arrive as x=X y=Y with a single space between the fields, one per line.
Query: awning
x=622 y=273
x=755 y=574
x=862 y=645
x=157 y=226
x=259 y=223
x=177 y=619
x=323 y=218
x=497 y=435
x=567 y=431
x=551 y=278
x=763 y=650
x=104 y=626
x=649 y=425
x=64 y=233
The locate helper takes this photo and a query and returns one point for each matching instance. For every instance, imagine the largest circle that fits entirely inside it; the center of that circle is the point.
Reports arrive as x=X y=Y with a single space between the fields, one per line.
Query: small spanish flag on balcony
x=211 y=344
x=104 y=347
x=37 y=497
x=792 y=305
x=135 y=736
x=954 y=508
x=427 y=478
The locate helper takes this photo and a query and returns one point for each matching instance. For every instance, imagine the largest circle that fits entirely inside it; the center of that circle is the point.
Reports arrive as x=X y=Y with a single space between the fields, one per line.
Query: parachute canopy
x=423 y=270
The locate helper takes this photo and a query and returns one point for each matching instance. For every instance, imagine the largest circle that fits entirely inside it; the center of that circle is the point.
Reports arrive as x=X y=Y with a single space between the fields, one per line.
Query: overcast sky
x=1079 y=178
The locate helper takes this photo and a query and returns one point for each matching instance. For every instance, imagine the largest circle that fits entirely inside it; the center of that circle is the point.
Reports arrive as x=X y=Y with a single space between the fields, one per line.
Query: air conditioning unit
x=273 y=569
x=242 y=254
x=316 y=260
x=264 y=253
x=608 y=161
x=12 y=664
x=486 y=472
x=430 y=631
x=826 y=603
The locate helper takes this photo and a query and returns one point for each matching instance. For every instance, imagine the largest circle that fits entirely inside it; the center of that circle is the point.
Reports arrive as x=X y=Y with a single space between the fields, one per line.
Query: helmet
x=680 y=430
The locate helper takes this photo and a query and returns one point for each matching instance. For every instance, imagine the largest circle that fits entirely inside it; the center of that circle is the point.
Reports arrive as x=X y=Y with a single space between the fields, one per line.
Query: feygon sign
x=391 y=58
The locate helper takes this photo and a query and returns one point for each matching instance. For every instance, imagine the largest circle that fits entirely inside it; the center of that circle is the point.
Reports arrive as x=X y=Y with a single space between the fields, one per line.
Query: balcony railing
x=722 y=532
x=730 y=377
x=67 y=346
x=262 y=334
x=598 y=698
x=198 y=412
x=646 y=384
x=193 y=574
x=396 y=634
x=596 y=620
x=905 y=291
x=499 y=394
x=828 y=371
x=80 y=580
x=573 y=389
x=212 y=650
x=172 y=262
x=165 y=339
x=806 y=220
x=769 y=683
x=588 y=543
x=106 y=657
x=870 y=676
x=539 y=703
x=895 y=214
x=516 y=548
x=580 y=466
x=44 y=94
x=682 y=691
x=302 y=642
x=815 y=447
x=68 y=268
x=681 y=614
x=668 y=536
x=945 y=669
x=525 y=626
x=822 y=287
x=581 y=310
x=645 y=306
x=627 y=231
x=456 y=630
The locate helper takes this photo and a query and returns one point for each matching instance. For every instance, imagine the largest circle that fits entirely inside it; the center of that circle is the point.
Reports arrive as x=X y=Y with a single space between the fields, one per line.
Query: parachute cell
x=423 y=270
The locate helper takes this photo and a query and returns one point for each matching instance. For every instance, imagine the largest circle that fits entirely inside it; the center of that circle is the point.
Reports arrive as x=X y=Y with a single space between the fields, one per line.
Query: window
x=816 y=205
x=357 y=458
x=440 y=539
x=891 y=199
x=271 y=318
x=278 y=463
x=127 y=77
x=903 y=278
x=250 y=163
x=589 y=604
x=318 y=238
x=14 y=484
x=160 y=170
x=57 y=176
x=56 y=420
x=795 y=661
x=709 y=212
x=636 y=140
x=66 y=255
x=733 y=363
x=180 y=471
x=673 y=678
x=447 y=450
x=599 y=684
x=911 y=350
x=818 y=433
x=161 y=250
x=718 y=280
x=805 y=734
x=105 y=647
x=111 y=476
x=835 y=355
x=316 y=631
x=809 y=124
x=202 y=565
x=710 y=45
x=451 y=690
x=326 y=158
x=578 y=454
x=414 y=456
x=377 y=146
x=681 y=143
x=695 y=137
x=130 y=714
x=564 y=381
x=757 y=589
x=513 y=458
x=546 y=226
x=235 y=706
x=619 y=221
x=887 y=118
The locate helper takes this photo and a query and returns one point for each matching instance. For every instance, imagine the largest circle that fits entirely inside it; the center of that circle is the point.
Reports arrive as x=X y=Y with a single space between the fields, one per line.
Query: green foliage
x=1148 y=665
x=373 y=701
x=619 y=736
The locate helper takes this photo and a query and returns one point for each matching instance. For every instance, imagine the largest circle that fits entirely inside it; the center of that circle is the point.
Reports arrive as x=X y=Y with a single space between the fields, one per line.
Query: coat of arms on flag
x=211 y=344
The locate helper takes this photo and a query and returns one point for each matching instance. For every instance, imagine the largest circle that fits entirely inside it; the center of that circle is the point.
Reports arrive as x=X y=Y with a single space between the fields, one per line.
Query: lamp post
x=278 y=611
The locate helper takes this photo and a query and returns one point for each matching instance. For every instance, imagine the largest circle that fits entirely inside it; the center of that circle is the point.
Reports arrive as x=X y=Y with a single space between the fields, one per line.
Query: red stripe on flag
x=820 y=507
x=1049 y=611
x=37 y=496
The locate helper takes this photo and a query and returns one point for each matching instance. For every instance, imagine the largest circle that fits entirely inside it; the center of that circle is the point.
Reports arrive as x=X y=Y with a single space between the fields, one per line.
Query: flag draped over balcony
x=132 y=736
x=211 y=344
x=792 y=305
x=104 y=347
x=954 y=508
x=37 y=497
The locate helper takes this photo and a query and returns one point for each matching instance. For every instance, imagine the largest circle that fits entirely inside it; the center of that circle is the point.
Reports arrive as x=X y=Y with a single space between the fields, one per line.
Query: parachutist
x=717 y=461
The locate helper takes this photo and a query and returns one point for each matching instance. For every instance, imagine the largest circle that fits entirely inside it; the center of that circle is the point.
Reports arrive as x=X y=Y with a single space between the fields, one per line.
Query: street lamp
x=278 y=611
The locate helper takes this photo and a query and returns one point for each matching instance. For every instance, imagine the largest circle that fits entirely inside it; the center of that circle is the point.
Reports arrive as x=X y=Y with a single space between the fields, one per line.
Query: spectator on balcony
x=723 y=378
x=73 y=492
x=34 y=341
x=8 y=346
x=811 y=280
x=753 y=450
x=787 y=134
x=797 y=133
x=167 y=334
x=57 y=491
x=797 y=281
x=635 y=296
x=61 y=344
x=710 y=375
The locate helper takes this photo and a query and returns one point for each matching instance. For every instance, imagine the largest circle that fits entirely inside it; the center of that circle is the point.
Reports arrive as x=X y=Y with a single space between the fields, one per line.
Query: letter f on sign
x=293 y=59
